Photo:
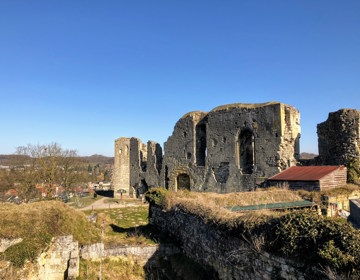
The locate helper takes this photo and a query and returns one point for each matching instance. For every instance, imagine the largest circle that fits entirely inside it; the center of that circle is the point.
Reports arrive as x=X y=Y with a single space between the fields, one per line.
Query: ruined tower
x=339 y=137
x=137 y=166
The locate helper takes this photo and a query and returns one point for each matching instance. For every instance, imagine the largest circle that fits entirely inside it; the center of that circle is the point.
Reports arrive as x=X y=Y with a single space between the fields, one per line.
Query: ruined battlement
x=231 y=148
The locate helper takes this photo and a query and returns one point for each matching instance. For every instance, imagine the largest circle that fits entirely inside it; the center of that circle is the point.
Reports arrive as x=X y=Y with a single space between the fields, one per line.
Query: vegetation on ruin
x=301 y=235
x=353 y=170
x=37 y=223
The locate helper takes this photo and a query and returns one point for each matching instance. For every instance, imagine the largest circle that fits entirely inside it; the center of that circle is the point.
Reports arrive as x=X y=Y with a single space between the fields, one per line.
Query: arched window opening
x=183 y=182
x=166 y=177
x=201 y=144
x=246 y=151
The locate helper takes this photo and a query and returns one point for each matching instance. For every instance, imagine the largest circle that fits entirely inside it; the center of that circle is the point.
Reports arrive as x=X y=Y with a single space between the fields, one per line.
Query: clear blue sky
x=83 y=73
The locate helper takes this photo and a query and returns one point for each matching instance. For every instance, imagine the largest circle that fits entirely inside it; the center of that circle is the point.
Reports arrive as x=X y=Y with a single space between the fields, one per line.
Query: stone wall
x=231 y=148
x=355 y=211
x=142 y=253
x=230 y=256
x=154 y=164
x=339 y=137
x=60 y=261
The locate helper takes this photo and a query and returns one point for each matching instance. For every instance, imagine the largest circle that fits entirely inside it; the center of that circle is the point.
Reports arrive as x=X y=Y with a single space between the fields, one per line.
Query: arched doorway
x=183 y=182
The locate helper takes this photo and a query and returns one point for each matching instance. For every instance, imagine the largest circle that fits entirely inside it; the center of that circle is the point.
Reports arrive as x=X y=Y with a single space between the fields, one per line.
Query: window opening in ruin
x=159 y=158
x=201 y=144
x=246 y=151
x=166 y=177
x=143 y=162
x=188 y=155
x=183 y=182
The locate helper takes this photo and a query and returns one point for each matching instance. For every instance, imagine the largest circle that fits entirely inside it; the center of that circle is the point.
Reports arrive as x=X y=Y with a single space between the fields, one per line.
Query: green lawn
x=128 y=225
x=124 y=201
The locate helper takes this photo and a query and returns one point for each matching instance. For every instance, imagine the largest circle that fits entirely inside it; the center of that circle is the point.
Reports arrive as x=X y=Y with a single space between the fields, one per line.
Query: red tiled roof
x=305 y=173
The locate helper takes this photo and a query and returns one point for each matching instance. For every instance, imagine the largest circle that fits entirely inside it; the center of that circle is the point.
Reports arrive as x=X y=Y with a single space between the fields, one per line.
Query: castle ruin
x=231 y=148
x=339 y=137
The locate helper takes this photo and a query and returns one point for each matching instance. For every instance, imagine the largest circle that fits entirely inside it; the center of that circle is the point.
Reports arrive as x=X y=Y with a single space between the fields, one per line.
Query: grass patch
x=113 y=268
x=37 y=223
x=124 y=201
x=261 y=196
x=128 y=225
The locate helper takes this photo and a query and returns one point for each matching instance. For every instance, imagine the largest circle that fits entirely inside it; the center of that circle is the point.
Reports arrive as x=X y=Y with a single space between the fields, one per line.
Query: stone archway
x=183 y=182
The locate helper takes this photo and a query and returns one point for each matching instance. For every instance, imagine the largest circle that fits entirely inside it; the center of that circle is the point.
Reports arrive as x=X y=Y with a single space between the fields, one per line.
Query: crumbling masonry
x=339 y=137
x=231 y=148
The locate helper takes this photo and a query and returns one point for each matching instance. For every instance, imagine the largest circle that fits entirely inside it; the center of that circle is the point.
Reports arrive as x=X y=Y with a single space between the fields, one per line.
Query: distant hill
x=93 y=160
x=307 y=155
x=7 y=159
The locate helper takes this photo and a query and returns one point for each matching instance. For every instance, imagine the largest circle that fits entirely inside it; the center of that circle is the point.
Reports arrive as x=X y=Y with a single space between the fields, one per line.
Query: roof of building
x=305 y=173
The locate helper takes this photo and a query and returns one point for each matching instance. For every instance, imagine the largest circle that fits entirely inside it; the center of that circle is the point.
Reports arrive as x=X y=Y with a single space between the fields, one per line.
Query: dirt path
x=102 y=204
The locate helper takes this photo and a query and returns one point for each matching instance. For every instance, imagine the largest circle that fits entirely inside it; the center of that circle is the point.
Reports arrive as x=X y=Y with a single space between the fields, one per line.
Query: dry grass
x=51 y=217
x=346 y=190
x=112 y=268
x=272 y=195
x=211 y=206
x=37 y=223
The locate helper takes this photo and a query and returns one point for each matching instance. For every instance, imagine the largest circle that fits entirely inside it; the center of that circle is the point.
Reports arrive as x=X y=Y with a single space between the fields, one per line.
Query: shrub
x=156 y=196
x=353 y=170
x=306 y=236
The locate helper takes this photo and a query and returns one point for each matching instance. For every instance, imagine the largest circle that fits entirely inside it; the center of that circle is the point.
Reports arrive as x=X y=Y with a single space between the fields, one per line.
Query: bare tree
x=47 y=166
